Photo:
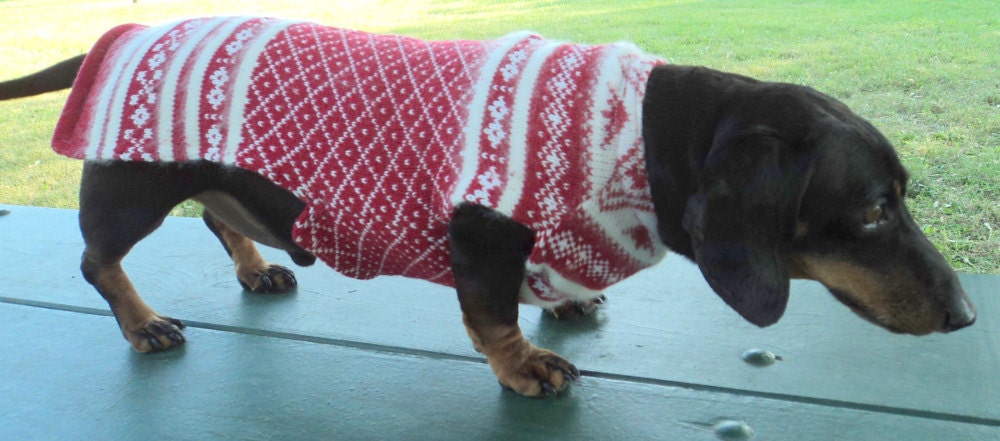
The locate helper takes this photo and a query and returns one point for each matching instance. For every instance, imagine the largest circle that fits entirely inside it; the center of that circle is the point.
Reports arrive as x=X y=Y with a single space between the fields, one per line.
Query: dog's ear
x=743 y=217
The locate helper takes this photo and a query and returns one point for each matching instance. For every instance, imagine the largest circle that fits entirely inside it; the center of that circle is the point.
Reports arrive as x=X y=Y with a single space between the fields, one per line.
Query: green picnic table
x=345 y=359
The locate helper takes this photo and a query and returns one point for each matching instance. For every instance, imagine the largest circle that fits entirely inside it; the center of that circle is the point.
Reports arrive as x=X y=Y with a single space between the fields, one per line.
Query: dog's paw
x=534 y=372
x=570 y=310
x=270 y=279
x=157 y=333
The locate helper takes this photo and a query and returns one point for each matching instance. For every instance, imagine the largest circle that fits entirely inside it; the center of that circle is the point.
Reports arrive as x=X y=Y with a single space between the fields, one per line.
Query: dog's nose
x=960 y=315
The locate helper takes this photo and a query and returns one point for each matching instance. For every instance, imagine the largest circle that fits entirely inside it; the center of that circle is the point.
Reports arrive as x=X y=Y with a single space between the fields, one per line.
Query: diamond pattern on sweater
x=365 y=109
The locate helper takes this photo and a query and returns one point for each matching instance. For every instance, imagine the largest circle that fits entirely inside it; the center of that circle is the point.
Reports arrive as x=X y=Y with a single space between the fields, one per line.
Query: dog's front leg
x=488 y=255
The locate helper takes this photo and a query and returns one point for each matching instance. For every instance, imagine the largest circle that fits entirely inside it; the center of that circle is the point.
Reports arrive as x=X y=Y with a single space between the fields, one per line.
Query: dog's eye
x=874 y=217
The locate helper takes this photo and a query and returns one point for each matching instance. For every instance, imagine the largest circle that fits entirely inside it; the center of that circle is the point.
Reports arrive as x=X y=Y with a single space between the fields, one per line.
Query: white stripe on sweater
x=220 y=31
x=520 y=117
x=108 y=114
x=477 y=109
x=173 y=80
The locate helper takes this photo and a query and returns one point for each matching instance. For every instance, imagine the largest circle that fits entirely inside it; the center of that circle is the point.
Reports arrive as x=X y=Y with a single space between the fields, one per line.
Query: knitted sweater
x=382 y=136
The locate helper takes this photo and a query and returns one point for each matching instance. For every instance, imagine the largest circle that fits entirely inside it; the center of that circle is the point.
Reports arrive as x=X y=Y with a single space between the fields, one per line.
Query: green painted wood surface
x=389 y=357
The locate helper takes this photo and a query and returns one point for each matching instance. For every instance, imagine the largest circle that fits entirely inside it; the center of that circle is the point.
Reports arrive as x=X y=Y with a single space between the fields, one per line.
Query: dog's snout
x=962 y=314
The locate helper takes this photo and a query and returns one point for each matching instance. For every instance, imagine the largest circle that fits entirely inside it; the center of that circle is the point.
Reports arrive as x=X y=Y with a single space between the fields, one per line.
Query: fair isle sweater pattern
x=382 y=136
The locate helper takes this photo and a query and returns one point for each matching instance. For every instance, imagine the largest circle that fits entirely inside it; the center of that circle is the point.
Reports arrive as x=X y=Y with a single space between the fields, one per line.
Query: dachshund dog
x=756 y=182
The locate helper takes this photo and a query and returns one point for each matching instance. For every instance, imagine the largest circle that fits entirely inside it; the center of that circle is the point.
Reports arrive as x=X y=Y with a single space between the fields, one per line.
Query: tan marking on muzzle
x=894 y=301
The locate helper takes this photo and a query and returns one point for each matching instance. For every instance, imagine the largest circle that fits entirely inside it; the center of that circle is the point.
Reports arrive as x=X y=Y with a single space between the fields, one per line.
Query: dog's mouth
x=865 y=312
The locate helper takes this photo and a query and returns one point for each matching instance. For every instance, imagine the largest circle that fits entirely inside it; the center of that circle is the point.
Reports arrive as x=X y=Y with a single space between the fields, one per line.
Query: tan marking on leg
x=144 y=329
x=520 y=365
x=255 y=273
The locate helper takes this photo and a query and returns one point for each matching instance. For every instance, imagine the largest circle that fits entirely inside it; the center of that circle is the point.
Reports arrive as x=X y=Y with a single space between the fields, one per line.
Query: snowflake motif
x=478 y=197
x=511 y=69
x=220 y=77
x=141 y=116
x=490 y=179
x=238 y=44
x=498 y=109
x=494 y=131
x=214 y=137
x=488 y=182
x=234 y=47
x=213 y=154
x=216 y=96
x=174 y=39
x=551 y=203
x=157 y=60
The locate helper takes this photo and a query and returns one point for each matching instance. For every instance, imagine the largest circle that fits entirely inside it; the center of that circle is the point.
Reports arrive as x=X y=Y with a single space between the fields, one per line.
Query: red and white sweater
x=382 y=136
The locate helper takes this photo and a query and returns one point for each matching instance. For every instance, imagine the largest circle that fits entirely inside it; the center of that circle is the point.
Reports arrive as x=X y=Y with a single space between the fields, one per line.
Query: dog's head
x=786 y=182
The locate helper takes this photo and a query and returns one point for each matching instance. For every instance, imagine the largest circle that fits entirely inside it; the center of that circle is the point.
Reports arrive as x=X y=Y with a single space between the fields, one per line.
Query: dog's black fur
x=756 y=182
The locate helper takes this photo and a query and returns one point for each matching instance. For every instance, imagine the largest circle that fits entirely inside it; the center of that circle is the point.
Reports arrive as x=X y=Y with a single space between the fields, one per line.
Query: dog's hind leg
x=120 y=204
x=253 y=272
x=488 y=255
x=242 y=207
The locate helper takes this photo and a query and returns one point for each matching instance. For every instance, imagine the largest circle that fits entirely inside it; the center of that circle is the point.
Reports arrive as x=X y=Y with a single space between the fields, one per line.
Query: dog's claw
x=577 y=309
x=273 y=278
x=570 y=372
x=573 y=373
x=540 y=373
x=175 y=322
x=548 y=389
x=158 y=334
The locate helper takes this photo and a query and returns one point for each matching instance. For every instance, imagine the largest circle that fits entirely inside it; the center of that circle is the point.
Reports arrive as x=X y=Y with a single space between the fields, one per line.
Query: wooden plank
x=66 y=376
x=663 y=325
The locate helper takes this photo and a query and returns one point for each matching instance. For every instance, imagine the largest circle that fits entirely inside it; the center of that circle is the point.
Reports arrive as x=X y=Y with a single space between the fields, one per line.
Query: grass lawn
x=924 y=72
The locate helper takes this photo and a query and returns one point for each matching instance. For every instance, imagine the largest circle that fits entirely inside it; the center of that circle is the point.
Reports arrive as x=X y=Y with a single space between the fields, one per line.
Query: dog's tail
x=57 y=77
